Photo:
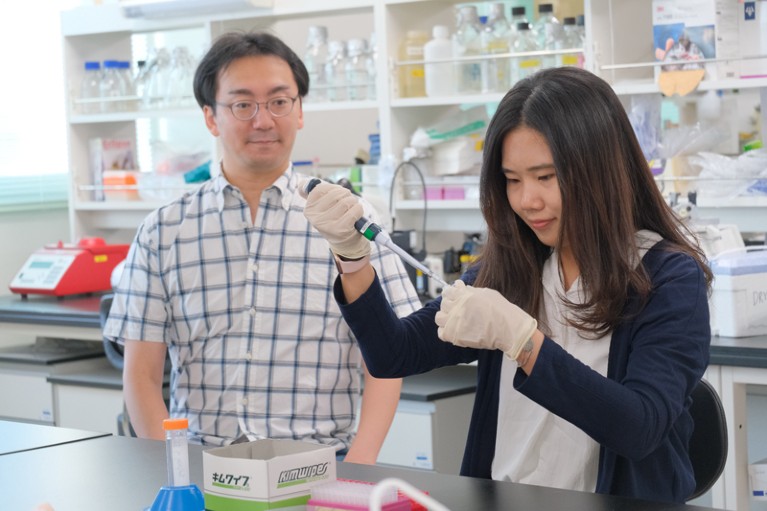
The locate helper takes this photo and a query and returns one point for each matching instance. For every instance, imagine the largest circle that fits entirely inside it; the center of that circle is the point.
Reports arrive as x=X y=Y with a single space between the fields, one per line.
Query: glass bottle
x=570 y=39
x=315 y=59
x=468 y=43
x=335 y=72
x=525 y=42
x=548 y=32
x=110 y=87
x=356 y=70
x=90 y=88
x=495 y=40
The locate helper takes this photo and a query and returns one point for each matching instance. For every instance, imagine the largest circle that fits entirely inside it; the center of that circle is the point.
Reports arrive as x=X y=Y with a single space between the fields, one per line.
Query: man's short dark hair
x=235 y=45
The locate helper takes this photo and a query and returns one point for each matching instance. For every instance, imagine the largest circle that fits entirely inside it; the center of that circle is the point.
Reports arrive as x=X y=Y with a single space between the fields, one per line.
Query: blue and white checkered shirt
x=257 y=342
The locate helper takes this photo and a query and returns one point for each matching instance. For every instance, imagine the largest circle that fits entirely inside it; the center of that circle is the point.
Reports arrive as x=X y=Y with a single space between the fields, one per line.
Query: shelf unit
x=614 y=31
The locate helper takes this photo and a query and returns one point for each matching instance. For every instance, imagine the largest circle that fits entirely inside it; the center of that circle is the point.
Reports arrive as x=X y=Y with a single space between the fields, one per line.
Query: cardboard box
x=265 y=474
x=739 y=298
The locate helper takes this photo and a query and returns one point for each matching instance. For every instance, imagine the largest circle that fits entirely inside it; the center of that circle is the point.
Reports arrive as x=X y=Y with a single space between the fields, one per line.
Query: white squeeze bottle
x=439 y=78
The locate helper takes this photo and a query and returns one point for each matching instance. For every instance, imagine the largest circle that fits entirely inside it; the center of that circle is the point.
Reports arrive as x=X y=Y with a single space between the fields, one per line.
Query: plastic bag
x=725 y=176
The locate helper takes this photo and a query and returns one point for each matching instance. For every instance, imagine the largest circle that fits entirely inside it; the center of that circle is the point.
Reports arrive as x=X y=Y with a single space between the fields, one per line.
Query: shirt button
x=253 y=267
x=244 y=401
x=248 y=356
x=252 y=311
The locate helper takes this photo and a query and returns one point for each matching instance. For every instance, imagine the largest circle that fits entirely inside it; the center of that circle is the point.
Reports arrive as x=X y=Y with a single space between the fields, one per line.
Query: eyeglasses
x=246 y=110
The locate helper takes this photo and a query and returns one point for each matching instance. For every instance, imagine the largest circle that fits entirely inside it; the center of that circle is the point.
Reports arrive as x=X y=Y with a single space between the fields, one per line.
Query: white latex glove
x=332 y=210
x=482 y=318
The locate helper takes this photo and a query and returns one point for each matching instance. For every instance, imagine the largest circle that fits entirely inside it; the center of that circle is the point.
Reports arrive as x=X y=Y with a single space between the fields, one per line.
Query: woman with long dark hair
x=587 y=310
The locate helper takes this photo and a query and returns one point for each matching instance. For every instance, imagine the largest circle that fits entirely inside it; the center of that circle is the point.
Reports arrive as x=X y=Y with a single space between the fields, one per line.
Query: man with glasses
x=236 y=286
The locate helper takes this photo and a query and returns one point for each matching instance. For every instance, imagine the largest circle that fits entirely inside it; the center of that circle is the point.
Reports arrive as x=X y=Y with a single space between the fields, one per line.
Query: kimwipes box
x=265 y=474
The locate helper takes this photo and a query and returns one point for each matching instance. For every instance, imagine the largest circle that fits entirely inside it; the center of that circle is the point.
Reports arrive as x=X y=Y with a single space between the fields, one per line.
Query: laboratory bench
x=121 y=473
x=435 y=407
x=20 y=436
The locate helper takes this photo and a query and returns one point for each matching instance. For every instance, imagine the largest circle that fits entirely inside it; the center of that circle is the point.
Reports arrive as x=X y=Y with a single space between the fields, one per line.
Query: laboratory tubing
x=439 y=78
x=468 y=43
x=315 y=60
x=411 y=76
x=177 y=451
x=90 y=88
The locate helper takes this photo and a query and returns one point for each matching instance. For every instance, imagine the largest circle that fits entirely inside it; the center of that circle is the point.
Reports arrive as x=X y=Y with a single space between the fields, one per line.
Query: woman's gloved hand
x=482 y=318
x=332 y=210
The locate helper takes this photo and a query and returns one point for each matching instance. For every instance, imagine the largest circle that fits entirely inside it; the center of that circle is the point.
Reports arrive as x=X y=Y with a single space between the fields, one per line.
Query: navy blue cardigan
x=639 y=414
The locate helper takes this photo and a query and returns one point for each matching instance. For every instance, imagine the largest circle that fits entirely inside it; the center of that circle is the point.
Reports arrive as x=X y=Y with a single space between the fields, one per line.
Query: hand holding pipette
x=338 y=215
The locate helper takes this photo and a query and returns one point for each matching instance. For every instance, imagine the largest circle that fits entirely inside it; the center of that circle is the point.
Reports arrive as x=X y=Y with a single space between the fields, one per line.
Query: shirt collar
x=286 y=185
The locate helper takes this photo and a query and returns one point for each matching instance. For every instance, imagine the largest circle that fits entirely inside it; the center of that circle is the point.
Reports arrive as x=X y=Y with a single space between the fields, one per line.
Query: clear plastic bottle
x=315 y=60
x=177 y=451
x=570 y=39
x=411 y=76
x=356 y=70
x=548 y=32
x=127 y=88
x=468 y=43
x=495 y=40
x=335 y=71
x=90 y=88
x=525 y=42
x=111 y=88
x=439 y=78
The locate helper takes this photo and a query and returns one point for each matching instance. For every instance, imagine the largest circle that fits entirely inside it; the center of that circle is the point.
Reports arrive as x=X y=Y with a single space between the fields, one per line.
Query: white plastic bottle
x=356 y=70
x=334 y=71
x=177 y=451
x=439 y=78
x=315 y=59
x=90 y=88
x=468 y=43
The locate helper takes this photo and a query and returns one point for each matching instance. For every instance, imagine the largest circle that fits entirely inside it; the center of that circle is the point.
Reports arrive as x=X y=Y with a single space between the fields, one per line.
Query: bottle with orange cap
x=179 y=494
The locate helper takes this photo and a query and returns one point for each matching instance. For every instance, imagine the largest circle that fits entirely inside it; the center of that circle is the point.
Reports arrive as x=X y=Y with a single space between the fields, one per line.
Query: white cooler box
x=739 y=299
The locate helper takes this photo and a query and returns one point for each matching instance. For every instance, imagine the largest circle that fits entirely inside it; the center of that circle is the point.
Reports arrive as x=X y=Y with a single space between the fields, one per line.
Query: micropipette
x=374 y=232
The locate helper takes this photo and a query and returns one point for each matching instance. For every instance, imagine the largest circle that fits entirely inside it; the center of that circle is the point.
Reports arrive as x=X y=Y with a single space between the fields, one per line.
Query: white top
x=534 y=446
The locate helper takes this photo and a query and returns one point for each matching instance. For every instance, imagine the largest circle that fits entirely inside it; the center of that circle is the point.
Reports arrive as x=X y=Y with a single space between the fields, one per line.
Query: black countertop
x=120 y=473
